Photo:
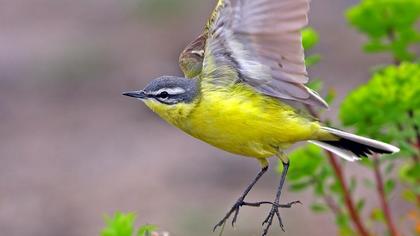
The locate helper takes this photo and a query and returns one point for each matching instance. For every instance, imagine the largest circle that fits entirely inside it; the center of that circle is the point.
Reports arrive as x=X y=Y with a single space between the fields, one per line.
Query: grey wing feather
x=261 y=40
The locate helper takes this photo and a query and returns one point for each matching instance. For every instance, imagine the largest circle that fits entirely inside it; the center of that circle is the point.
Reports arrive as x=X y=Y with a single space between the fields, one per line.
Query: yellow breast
x=240 y=121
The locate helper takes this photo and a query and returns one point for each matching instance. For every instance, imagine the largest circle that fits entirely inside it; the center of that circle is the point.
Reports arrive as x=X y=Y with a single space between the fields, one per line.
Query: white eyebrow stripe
x=170 y=91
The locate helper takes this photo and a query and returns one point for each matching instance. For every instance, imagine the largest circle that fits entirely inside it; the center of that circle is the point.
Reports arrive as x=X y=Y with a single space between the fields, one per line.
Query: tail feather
x=353 y=147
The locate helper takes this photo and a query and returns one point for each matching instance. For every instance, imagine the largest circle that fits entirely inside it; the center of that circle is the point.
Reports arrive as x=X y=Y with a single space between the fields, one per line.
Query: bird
x=243 y=91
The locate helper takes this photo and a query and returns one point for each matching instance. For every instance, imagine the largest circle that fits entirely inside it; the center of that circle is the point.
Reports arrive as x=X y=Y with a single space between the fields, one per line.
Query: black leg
x=240 y=202
x=275 y=207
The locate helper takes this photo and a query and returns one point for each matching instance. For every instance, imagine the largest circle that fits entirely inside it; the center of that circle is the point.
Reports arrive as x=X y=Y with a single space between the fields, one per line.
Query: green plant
x=123 y=225
x=320 y=170
x=310 y=39
x=385 y=108
x=389 y=24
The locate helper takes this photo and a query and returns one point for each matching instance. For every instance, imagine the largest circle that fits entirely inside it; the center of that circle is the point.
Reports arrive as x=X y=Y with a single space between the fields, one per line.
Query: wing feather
x=262 y=42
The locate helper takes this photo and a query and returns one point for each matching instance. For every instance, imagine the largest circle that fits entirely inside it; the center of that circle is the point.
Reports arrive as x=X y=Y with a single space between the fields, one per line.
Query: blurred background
x=73 y=149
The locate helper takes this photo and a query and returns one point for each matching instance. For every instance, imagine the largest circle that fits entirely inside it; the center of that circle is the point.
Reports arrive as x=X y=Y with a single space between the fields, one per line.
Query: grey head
x=169 y=90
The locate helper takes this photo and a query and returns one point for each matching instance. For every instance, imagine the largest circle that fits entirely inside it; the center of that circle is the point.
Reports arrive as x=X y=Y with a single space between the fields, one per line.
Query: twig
x=384 y=204
x=354 y=215
x=416 y=128
x=391 y=37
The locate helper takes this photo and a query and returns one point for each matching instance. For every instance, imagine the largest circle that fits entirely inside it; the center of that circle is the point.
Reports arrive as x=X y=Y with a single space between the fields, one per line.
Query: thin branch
x=384 y=204
x=416 y=128
x=354 y=215
x=391 y=37
x=416 y=143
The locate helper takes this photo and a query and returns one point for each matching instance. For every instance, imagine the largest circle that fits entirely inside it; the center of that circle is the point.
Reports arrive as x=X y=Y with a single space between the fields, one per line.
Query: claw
x=235 y=216
x=235 y=209
x=280 y=222
x=275 y=212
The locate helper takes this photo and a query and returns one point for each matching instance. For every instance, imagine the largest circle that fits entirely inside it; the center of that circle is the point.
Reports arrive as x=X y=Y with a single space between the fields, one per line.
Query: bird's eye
x=163 y=94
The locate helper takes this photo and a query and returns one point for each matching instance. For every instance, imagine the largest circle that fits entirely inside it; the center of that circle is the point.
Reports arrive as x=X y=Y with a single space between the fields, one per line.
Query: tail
x=352 y=147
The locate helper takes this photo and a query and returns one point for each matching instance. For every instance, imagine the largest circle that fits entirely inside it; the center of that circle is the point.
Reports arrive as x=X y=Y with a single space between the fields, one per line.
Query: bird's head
x=169 y=96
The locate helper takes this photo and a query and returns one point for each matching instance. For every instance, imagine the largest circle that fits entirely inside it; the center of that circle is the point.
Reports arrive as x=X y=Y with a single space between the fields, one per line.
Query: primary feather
x=249 y=50
x=261 y=41
x=191 y=58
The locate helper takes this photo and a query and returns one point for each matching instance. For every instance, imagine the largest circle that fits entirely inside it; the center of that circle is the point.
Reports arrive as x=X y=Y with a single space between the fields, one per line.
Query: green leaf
x=299 y=186
x=146 y=230
x=360 y=204
x=119 y=225
x=410 y=173
x=377 y=215
x=315 y=84
x=342 y=220
x=319 y=189
x=312 y=60
x=318 y=207
x=389 y=24
x=335 y=187
x=309 y=38
x=332 y=93
x=409 y=196
x=389 y=186
x=308 y=160
x=346 y=231
x=378 y=108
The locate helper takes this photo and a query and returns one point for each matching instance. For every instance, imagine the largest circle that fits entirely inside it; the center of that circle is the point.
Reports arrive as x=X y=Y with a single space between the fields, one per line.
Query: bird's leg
x=240 y=202
x=275 y=207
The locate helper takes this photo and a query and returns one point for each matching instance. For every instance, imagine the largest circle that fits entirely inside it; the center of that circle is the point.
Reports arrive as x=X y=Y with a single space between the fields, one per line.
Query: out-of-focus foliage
x=123 y=225
x=310 y=168
x=308 y=163
x=310 y=38
x=387 y=106
x=389 y=24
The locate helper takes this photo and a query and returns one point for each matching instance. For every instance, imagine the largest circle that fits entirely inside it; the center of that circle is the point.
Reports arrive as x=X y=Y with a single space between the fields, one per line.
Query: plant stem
x=384 y=204
x=391 y=37
x=354 y=214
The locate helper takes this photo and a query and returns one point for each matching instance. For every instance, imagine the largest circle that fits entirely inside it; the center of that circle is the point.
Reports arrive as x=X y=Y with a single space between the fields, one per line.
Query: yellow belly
x=244 y=122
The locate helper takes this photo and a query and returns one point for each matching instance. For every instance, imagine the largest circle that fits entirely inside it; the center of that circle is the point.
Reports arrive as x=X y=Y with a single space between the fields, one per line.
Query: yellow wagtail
x=244 y=83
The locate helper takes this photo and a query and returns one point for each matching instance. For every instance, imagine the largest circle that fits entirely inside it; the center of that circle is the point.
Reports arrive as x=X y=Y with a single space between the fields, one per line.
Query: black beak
x=135 y=94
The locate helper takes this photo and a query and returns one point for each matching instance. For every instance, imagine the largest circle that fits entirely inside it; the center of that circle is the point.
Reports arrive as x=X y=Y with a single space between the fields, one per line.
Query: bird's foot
x=235 y=210
x=275 y=212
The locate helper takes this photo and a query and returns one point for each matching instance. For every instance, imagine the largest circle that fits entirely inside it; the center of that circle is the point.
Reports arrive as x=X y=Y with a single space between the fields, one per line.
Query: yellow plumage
x=239 y=120
x=244 y=70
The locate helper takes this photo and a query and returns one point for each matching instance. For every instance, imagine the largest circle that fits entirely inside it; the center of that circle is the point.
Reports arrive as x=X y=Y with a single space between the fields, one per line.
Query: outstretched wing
x=259 y=42
x=191 y=58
